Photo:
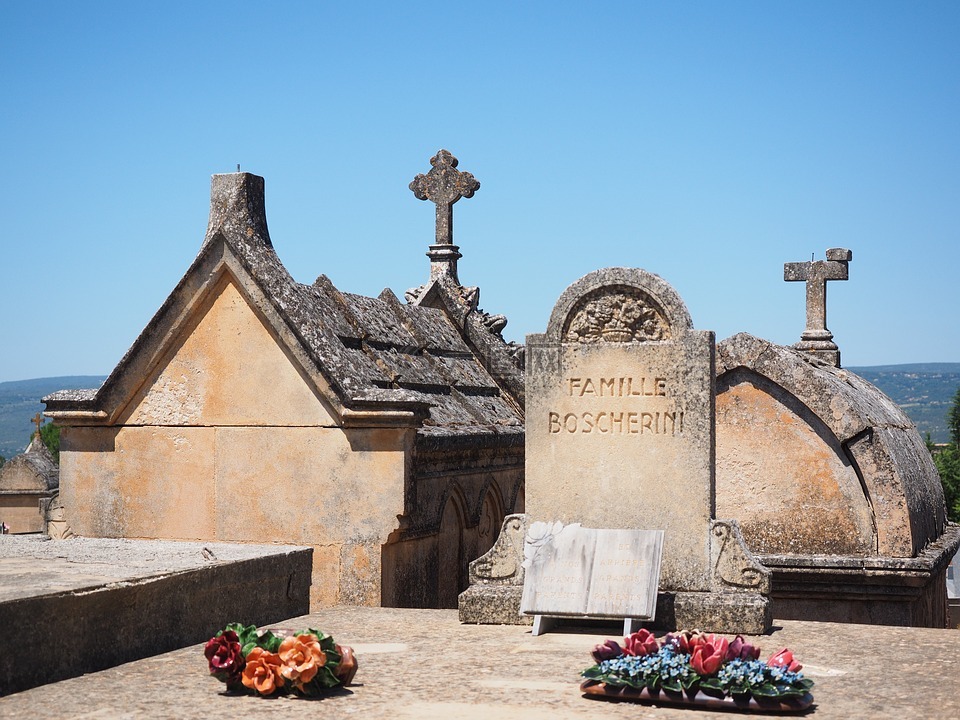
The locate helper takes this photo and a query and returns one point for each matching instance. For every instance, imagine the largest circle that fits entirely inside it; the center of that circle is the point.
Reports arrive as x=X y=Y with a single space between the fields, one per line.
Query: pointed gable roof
x=375 y=361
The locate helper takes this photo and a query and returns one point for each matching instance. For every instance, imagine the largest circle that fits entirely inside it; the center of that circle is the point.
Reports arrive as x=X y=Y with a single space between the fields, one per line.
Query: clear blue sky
x=706 y=142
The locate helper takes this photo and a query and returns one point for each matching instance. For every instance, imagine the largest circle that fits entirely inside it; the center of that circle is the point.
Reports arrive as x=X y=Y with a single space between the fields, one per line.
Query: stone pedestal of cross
x=444 y=185
x=816 y=338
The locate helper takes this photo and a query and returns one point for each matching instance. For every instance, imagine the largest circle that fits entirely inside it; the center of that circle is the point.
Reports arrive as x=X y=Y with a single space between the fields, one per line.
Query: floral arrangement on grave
x=267 y=662
x=688 y=662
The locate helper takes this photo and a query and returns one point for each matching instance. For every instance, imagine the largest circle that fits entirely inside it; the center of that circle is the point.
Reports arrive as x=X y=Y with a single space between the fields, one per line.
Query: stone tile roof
x=375 y=353
x=34 y=470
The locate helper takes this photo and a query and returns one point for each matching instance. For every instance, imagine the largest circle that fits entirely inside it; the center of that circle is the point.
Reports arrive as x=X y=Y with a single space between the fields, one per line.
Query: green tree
x=948 y=461
x=953 y=420
x=50 y=434
x=2 y=460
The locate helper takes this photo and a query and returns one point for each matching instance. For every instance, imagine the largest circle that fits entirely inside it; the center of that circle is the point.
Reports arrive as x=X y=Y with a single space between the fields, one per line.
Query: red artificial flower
x=641 y=643
x=224 y=657
x=607 y=651
x=741 y=649
x=683 y=641
x=348 y=664
x=784 y=659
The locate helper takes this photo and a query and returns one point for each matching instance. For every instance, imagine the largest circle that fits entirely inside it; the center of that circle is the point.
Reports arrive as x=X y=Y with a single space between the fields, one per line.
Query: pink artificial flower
x=784 y=659
x=641 y=643
x=709 y=654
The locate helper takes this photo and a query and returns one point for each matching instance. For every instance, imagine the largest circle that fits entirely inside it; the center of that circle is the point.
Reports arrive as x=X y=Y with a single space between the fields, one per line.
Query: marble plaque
x=577 y=571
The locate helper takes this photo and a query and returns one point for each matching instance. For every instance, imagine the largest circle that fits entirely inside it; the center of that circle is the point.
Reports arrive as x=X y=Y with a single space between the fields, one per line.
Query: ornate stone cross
x=38 y=421
x=816 y=338
x=444 y=185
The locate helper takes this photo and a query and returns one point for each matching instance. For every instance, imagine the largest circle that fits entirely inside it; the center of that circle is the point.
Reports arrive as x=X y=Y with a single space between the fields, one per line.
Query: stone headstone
x=619 y=420
x=620 y=434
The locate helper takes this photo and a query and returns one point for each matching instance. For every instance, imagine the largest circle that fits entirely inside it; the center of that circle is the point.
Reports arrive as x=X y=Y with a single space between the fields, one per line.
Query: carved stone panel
x=616 y=314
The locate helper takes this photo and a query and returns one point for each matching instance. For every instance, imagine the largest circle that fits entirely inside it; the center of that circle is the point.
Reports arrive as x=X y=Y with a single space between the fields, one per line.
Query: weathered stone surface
x=590 y=572
x=863 y=453
x=253 y=407
x=825 y=472
x=734 y=613
x=492 y=605
x=81 y=605
x=505 y=673
x=619 y=425
x=620 y=435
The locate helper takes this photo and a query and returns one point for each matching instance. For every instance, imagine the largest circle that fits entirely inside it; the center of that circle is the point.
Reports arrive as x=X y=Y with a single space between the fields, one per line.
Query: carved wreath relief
x=616 y=315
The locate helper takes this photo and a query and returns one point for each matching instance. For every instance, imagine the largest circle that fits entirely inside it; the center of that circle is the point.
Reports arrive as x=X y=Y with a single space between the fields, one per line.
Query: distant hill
x=20 y=401
x=924 y=391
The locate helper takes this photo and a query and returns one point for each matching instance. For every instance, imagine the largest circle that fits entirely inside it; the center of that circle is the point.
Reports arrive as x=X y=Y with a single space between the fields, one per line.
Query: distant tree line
x=947 y=460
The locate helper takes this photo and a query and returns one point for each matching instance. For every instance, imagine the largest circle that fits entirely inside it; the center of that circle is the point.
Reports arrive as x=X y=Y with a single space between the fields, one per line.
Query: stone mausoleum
x=28 y=481
x=831 y=486
x=387 y=435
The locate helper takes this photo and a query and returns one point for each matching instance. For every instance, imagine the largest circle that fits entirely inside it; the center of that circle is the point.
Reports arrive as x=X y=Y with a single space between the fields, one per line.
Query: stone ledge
x=82 y=605
x=730 y=613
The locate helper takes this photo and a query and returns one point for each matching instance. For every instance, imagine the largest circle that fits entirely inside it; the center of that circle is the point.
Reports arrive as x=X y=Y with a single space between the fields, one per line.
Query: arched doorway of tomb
x=451 y=563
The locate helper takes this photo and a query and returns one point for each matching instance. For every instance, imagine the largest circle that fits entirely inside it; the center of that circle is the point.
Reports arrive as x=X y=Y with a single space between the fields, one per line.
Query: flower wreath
x=307 y=662
x=694 y=661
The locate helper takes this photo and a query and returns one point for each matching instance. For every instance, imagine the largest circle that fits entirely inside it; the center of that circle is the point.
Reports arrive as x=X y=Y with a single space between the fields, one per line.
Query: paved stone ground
x=424 y=664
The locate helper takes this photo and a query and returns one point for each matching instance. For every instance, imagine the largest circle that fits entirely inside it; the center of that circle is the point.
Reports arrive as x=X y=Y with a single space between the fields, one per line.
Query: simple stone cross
x=444 y=185
x=38 y=421
x=816 y=338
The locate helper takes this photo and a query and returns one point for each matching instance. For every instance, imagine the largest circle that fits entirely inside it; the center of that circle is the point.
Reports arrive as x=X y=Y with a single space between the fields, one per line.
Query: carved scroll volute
x=503 y=563
x=734 y=566
x=616 y=315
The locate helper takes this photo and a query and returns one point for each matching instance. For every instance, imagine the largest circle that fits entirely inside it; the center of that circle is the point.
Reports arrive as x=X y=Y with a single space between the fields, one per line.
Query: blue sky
x=706 y=142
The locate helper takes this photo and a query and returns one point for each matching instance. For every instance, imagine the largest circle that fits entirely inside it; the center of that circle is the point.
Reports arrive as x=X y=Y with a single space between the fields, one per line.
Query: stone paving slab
x=424 y=664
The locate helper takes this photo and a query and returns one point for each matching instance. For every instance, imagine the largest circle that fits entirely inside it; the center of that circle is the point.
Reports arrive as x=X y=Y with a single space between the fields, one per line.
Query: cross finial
x=444 y=185
x=38 y=421
x=816 y=338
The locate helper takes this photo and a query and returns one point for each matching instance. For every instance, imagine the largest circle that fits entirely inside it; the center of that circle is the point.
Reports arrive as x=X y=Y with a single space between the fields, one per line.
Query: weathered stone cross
x=444 y=185
x=38 y=421
x=816 y=338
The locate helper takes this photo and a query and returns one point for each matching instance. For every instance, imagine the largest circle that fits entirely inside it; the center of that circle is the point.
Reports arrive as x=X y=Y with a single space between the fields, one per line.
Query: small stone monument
x=620 y=434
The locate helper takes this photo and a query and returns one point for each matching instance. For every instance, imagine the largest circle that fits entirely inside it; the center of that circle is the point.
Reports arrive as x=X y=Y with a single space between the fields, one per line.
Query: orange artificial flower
x=262 y=672
x=302 y=658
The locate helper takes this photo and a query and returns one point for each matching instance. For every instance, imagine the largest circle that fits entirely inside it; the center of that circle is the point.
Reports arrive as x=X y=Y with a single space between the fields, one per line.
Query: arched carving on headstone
x=617 y=305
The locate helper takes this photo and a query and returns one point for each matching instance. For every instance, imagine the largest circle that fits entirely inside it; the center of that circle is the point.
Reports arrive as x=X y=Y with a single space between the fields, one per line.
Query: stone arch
x=660 y=313
x=451 y=557
x=490 y=517
x=784 y=474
